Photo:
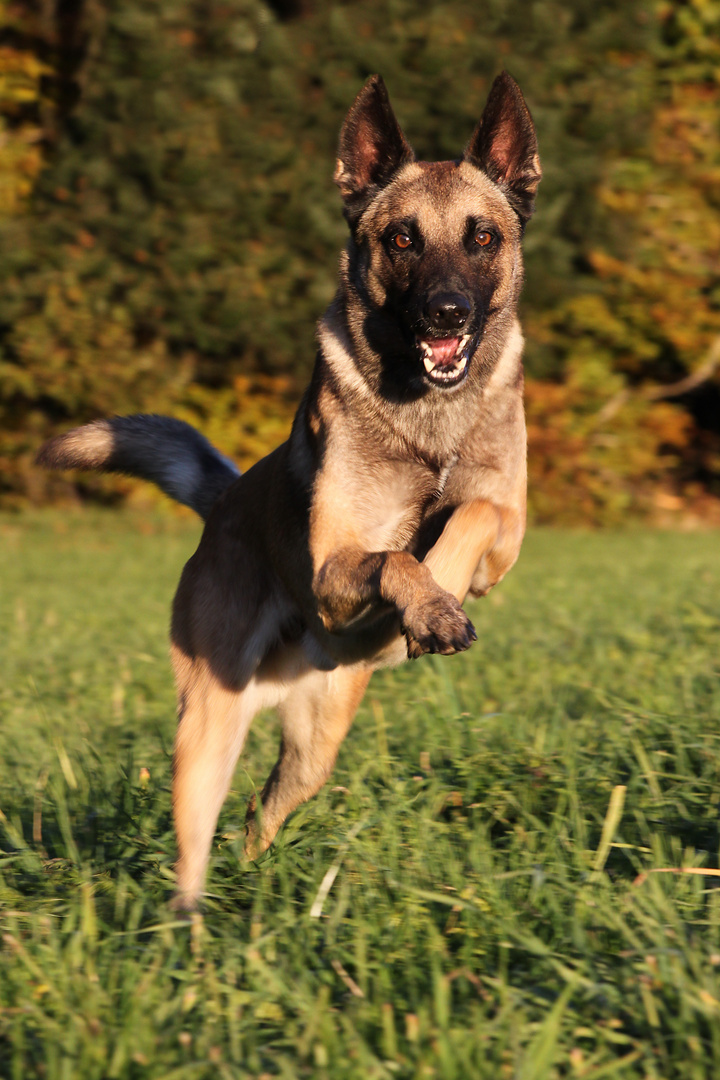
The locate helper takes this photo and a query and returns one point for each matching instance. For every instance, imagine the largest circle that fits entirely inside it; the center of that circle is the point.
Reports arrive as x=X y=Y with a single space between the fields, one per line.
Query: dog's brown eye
x=401 y=241
x=483 y=238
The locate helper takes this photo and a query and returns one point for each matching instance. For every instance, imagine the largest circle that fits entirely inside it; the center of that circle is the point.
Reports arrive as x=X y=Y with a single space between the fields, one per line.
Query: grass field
x=476 y=892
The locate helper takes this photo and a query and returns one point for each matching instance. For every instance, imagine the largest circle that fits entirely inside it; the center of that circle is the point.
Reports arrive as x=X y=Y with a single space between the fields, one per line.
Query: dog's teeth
x=450 y=372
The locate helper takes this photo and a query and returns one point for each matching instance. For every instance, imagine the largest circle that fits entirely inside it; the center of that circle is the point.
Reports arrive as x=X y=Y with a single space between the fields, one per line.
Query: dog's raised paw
x=438 y=625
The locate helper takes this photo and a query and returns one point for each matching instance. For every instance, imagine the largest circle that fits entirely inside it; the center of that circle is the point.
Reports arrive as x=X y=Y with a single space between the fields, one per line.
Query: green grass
x=469 y=897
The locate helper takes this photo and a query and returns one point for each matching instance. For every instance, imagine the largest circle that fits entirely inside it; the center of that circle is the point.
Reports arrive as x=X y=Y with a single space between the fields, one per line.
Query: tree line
x=169 y=229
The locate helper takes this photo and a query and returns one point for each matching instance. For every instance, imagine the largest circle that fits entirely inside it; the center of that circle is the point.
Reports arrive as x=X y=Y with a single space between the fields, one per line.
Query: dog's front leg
x=477 y=547
x=350 y=584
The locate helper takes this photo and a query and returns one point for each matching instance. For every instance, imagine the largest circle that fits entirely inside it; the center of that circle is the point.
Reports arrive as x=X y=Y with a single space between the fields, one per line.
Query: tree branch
x=663 y=393
x=692 y=381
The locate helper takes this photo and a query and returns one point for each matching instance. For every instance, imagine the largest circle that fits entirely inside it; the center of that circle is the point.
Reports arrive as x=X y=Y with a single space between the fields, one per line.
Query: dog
x=401 y=489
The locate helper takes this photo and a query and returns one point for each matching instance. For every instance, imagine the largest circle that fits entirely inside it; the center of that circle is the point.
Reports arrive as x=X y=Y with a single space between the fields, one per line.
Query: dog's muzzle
x=446 y=347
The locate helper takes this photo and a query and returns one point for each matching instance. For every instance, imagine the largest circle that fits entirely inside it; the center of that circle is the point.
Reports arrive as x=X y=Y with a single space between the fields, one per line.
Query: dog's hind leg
x=316 y=716
x=213 y=723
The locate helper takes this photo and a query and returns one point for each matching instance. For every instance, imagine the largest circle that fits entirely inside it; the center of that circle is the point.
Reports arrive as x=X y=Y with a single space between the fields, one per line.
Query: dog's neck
x=439 y=420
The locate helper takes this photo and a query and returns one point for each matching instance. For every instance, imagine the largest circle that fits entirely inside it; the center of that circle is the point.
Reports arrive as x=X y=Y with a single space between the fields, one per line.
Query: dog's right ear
x=372 y=147
x=504 y=145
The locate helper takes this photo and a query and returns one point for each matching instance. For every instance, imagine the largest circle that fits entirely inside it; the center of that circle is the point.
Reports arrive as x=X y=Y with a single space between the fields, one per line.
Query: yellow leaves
x=588 y=463
x=20 y=74
x=604 y=441
x=666 y=202
x=20 y=140
x=247 y=419
x=668 y=424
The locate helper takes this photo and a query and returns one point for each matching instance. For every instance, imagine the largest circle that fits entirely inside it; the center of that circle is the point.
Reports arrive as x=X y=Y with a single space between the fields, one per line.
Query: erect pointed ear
x=372 y=147
x=504 y=145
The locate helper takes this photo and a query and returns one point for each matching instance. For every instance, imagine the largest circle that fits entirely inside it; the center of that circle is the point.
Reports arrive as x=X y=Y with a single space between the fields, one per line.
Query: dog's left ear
x=504 y=145
x=372 y=147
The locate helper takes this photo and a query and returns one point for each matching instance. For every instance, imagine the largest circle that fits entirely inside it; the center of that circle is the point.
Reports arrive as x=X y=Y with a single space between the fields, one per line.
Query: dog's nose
x=448 y=311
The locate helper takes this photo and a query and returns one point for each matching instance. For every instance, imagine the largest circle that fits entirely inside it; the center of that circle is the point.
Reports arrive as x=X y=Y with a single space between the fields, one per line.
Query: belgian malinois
x=401 y=488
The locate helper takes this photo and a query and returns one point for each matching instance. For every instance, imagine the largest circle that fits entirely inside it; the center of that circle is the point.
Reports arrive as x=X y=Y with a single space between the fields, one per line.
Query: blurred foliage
x=182 y=234
x=639 y=401
x=21 y=158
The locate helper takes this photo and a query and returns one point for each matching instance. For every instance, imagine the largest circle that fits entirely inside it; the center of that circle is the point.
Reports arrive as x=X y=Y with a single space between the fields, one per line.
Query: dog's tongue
x=444 y=351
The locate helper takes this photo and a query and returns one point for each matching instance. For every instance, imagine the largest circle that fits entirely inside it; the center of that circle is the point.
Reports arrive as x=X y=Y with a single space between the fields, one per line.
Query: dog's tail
x=169 y=452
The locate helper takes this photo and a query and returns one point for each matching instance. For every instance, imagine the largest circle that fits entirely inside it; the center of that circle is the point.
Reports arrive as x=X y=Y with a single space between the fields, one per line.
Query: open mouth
x=445 y=360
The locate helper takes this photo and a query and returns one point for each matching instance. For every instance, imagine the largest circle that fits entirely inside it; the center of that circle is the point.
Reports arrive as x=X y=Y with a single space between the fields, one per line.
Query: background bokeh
x=169 y=229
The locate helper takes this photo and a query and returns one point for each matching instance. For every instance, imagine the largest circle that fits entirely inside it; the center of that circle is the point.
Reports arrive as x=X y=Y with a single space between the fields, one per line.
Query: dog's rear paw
x=185 y=906
x=438 y=625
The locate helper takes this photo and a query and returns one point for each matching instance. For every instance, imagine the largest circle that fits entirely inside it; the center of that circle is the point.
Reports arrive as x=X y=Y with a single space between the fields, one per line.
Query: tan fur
x=88 y=447
x=354 y=544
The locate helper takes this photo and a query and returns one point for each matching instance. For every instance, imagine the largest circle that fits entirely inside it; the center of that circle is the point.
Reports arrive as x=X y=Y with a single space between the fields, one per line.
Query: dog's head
x=434 y=259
